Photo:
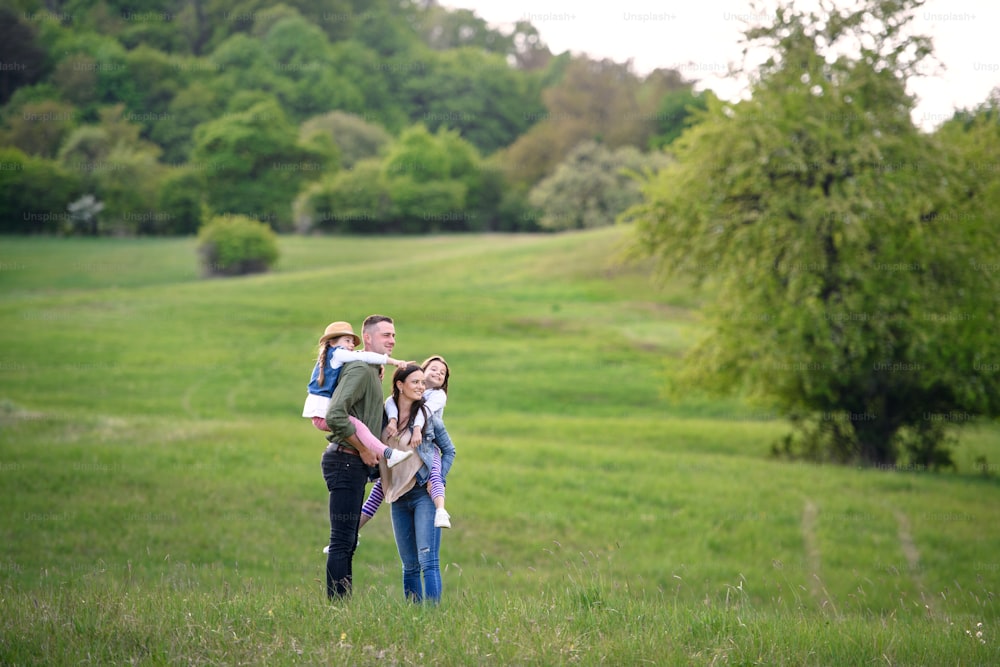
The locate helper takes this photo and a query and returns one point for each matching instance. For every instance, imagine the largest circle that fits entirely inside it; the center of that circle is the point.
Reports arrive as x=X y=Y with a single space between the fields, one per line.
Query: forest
x=348 y=116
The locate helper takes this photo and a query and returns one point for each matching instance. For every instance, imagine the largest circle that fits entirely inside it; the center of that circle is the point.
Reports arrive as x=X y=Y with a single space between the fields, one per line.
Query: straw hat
x=338 y=329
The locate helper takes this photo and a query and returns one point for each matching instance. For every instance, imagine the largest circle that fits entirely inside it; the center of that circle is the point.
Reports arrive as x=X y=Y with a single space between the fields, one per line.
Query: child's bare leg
x=376 y=446
x=371 y=443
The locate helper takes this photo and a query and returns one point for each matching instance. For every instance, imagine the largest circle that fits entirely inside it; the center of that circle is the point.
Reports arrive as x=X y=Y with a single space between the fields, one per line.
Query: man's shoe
x=442 y=519
x=326 y=549
x=398 y=456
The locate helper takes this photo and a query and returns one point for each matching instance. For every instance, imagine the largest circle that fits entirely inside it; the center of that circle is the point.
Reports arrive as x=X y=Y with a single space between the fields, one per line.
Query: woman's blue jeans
x=419 y=544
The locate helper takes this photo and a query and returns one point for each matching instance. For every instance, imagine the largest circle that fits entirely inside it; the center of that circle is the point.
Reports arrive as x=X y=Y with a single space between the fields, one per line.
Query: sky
x=700 y=37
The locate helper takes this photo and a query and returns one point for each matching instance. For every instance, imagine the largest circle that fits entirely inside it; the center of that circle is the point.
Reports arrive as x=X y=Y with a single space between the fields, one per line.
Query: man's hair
x=373 y=320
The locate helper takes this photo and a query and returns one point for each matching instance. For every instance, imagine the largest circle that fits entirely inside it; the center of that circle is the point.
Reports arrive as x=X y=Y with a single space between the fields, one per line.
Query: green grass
x=163 y=502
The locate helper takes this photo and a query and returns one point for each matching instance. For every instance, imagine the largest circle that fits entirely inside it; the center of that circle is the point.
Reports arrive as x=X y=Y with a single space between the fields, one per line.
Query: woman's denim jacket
x=435 y=436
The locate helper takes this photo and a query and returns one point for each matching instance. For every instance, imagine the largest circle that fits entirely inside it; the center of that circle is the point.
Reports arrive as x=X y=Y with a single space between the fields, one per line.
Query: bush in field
x=236 y=245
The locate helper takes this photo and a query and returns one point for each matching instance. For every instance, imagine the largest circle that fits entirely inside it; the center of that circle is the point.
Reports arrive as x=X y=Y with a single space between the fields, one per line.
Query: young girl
x=436 y=374
x=336 y=348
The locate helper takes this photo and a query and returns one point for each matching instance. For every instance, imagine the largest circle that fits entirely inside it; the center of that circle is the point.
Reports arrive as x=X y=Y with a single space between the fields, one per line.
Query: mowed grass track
x=163 y=502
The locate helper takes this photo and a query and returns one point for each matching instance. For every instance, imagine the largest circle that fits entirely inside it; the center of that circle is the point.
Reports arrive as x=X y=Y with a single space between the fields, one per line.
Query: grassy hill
x=163 y=501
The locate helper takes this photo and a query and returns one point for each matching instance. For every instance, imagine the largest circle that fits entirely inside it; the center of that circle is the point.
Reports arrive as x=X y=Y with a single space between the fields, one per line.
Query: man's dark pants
x=346 y=476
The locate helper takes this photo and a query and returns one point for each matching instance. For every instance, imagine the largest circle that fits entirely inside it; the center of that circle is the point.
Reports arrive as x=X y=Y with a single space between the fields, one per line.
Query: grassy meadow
x=163 y=502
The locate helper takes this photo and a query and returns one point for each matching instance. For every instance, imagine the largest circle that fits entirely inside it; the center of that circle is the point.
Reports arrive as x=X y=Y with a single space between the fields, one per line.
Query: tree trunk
x=875 y=447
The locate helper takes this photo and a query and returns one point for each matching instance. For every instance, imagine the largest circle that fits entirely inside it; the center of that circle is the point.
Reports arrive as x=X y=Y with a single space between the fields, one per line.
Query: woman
x=405 y=486
x=436 y=374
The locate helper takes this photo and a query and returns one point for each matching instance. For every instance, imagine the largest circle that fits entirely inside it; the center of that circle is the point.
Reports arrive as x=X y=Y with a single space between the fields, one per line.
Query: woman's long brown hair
x=400 y=376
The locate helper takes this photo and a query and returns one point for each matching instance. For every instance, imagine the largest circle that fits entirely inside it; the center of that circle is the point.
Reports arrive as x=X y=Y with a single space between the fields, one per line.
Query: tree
x=83 y=215
x=159 y=78
x=192 y=22
x=253 y=163
x=443 y=29
x=424 y=182
x=34 y=193
x=675 y=113
x=350 y=201
x=529 y=51
x=180 y=202
x=121 y=169
x=39 y=128
x=198 y=103
x=355 y=138
x=300 y=54
x=336 y=17
x=844 y=292
x=595 y=100
x=475 y=92
x=23 y=59
x=592 y=186
x=429 y=177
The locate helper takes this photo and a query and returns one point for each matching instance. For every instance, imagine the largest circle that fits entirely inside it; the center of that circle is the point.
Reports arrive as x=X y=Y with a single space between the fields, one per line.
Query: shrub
x=34 y=193
x=233 y=245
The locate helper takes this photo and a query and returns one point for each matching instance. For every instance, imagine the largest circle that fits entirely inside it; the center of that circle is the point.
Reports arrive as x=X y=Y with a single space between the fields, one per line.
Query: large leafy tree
x=598 y=100
x=254 y=164
x=475 y=92
x=118 y=167
x=353 y=200
x=844 y=289
x=430 y=177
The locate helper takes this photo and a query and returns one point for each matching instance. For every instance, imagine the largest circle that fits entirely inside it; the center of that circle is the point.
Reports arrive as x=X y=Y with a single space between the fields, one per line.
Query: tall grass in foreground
x=163 y=503
x=585 y=617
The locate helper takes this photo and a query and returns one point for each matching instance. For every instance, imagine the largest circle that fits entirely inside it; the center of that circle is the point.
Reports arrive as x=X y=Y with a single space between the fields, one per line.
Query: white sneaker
x=442 y=519
x=326 y=549
x=398 y=456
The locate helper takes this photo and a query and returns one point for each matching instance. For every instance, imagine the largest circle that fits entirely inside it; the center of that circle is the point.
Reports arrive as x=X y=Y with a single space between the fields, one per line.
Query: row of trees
x=175 y=107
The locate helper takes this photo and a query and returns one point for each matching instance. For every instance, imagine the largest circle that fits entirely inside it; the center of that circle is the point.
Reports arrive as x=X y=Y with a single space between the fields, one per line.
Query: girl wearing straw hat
x=336 y=348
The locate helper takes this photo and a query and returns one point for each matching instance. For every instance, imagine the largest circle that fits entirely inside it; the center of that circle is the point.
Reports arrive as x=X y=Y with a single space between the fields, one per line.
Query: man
x=346 y=460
